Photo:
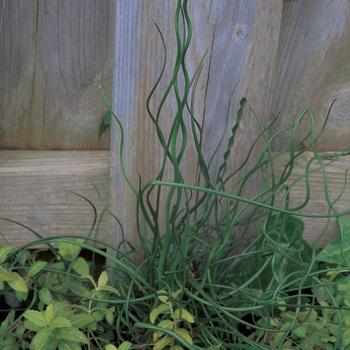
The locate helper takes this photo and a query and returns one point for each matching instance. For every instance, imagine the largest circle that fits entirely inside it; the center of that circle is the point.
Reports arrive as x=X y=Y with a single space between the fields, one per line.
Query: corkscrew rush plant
x=219 y=270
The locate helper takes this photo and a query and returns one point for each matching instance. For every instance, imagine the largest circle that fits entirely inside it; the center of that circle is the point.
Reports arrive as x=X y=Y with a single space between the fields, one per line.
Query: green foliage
x=230 y=264
x=54 y=328
x=322 y=325
x=173 y=319
x=338 y=252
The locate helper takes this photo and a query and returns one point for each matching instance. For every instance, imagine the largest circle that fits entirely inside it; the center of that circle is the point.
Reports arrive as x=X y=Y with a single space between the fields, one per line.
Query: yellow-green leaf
x=163 y=296
x=81 y=267
x=5 y=275
x=40 y=339
x=176 y=347
x=82 y=320
x=110 y=315
x=109 y=289
x=125 y=346
x=160 y=309
x=18 y=284
x=110 y=347
x=60 y=322
x=36 y=268
x=167 y=324
x=185 y=334
x=183 y=314
x=45 y=296
x=71 y=334
x=49 y=313
x=157 y=335
x=4 y=252
x=176 y=293
x=162 y=343
x=35 y=317
x=62 y=345
x=103 y=279
x=69 y=251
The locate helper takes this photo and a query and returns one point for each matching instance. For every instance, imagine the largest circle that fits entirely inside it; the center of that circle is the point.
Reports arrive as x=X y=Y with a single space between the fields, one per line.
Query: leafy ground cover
x=220 y=270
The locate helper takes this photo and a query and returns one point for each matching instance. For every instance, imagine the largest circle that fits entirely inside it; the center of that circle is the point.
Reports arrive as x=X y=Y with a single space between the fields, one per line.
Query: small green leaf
x=167 y=324
x=338 y=251
x=36 y=268
x=185 y=334
x=103 y=279
x=81 y=267
x=81 y=320
x=20 y=331
x=156 y=335
x=35 y=317
x=160 y=309
x=21 y=296
x=110 y=315
x=72 y=334
x=69 y=251
x=163 y=296
x=184 y=315
x=45 y=296
x=18 y=284
x=109 y=289
x=40 y=339
x=4 y=253
x=98 y=315
x=125 y=346
x=67 y=345
x=60 y=322
x=49 y=316
x=300 y=331
x=162 y=343
x=110 y=347
x=5 y=275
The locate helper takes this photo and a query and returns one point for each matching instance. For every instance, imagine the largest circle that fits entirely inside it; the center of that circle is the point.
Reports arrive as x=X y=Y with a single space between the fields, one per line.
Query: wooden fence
x=54 y=54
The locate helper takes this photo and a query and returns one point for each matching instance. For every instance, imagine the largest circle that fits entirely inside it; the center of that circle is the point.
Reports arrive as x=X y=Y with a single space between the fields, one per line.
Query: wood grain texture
x=35 y=190
x=241 y=39
x=53 y=56
x=314 y=68
x=317 y=204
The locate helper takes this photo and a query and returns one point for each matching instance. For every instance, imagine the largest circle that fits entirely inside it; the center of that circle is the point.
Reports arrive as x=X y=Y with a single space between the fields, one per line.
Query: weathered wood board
x=53 y=56
x=55 y=53
x=314 y=227
x=314 y=68
x=35 y=191
x=241 y=39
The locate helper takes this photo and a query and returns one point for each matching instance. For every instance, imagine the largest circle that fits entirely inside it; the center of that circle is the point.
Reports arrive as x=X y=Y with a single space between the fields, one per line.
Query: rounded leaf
x=103 y=279
x=160 y=309
x=81 y=267
x=125 y=346
x=35 y=317
x=18 y=284
x=4 y=252
x=36 y=268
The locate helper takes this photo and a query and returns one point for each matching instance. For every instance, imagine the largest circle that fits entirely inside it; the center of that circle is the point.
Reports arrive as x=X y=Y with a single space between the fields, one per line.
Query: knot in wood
x=240 y=32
